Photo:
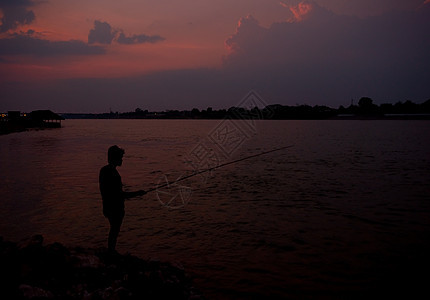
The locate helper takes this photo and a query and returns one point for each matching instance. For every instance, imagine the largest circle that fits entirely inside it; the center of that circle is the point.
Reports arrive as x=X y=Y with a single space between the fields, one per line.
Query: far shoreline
x=77 y=116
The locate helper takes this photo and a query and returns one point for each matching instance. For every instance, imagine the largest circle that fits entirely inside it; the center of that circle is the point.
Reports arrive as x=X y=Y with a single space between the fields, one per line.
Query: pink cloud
x=301 y=10
x=307 y=10
x=248 y=30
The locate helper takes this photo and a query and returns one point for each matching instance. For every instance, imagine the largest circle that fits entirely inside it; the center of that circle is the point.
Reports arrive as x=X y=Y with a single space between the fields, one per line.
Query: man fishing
x=112 y=194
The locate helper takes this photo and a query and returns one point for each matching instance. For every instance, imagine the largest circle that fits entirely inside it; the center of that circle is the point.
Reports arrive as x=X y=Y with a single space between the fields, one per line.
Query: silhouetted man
x=112 y=194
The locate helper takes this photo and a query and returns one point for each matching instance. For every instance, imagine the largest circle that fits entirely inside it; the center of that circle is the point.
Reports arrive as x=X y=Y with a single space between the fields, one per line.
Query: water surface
x=342 y=213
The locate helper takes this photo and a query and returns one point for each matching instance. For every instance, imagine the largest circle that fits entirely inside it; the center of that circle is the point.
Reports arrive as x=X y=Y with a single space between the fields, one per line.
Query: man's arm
x=138 y=193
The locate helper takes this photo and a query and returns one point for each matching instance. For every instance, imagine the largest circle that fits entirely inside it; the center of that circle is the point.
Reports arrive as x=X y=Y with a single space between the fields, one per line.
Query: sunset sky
x=97 y=55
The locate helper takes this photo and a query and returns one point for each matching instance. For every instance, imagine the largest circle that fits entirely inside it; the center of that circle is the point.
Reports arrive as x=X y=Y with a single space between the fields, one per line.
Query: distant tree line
x=365 y=109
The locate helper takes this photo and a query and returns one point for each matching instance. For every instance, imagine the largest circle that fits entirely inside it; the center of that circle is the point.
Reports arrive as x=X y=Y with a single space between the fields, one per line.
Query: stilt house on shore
x=14 y=121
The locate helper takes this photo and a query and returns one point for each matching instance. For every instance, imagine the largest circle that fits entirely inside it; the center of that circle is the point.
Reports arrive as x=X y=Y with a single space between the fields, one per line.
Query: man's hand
x=141 y=193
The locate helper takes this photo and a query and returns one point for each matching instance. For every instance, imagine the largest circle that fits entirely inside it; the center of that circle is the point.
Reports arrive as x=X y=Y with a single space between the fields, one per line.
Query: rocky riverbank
x=38 y=271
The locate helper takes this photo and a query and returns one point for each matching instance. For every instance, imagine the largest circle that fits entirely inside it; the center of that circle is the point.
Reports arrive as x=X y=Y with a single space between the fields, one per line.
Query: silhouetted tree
x=366 y=106
x=409 y=107
x=195 y=112
x=425 y=107
x=386 y=108
x=365 y=103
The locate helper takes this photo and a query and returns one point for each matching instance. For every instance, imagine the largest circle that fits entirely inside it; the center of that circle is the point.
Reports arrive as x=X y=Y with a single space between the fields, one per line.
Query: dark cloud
x=15 y=14
x=138 y=39
x=5 y=3
x=318 y=35
x=103 y=33
x=321 y=55
x=26 y=44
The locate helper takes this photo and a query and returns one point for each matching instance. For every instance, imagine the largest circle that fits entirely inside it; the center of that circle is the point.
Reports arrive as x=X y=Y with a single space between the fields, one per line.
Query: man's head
x=115 y=155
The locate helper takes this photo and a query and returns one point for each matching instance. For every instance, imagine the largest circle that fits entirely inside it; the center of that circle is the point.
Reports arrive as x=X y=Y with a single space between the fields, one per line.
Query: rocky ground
x=38 y=271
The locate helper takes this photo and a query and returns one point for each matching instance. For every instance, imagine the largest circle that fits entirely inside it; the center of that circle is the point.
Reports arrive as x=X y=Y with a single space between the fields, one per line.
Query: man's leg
x=115 y=226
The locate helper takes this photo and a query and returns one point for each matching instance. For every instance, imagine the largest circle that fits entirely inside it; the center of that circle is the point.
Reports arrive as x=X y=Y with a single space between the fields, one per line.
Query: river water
x=343 y=213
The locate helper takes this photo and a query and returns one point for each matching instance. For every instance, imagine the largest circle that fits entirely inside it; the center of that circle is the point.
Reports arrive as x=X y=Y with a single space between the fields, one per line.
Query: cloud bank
x=319 y=54
x=138 y=39
x=27 y=44
x=32 y=42
x=103 y=33
x=17 y=13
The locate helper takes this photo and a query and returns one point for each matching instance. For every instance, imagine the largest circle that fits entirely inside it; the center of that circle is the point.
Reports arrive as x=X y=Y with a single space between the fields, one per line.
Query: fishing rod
x=216 y=167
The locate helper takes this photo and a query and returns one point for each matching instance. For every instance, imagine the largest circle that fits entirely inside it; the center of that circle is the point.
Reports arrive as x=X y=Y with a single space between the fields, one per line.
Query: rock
x=87 y=261
x=35 y=271
x=30 y=292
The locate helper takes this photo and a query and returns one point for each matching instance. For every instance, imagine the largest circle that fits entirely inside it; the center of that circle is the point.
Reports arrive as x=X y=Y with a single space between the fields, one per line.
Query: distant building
x=14 y=121
x=46 y=118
